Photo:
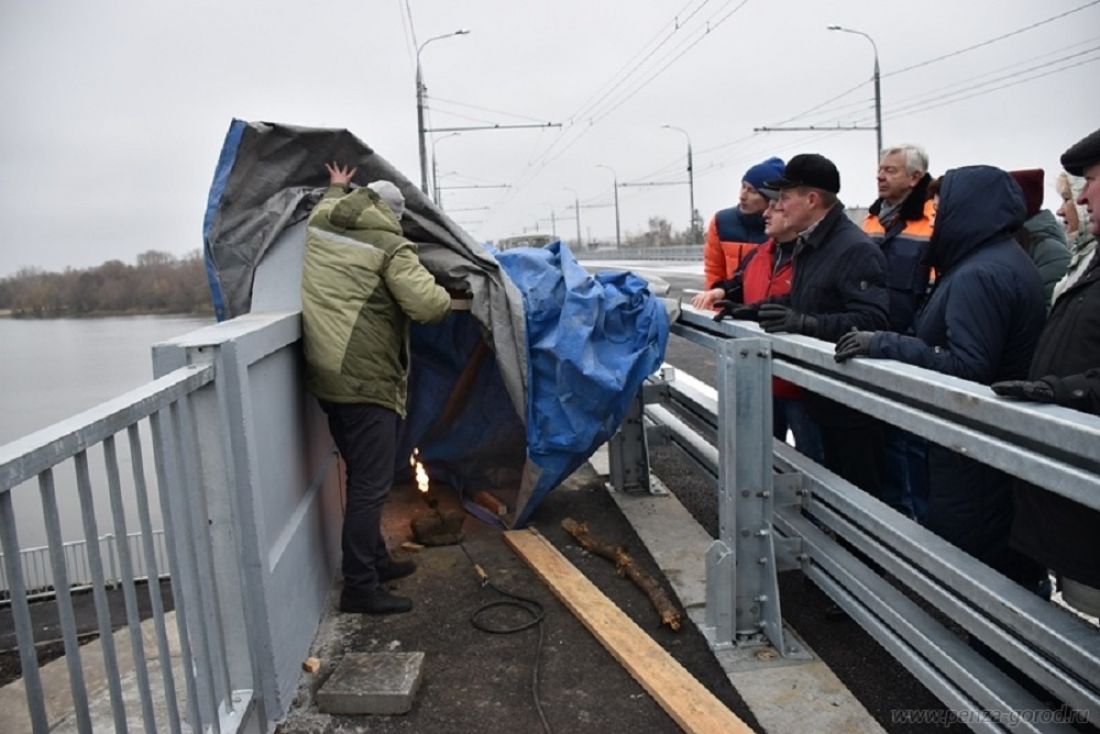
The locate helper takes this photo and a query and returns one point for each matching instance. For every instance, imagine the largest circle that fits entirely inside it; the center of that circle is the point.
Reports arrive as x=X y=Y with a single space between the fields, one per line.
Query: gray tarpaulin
x=268 y=178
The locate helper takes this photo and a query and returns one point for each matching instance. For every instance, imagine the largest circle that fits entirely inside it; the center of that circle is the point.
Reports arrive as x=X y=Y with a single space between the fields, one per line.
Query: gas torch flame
x=421 y=472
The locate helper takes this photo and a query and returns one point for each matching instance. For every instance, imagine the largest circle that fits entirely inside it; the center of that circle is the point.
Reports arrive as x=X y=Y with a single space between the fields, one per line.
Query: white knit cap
x=390 y=194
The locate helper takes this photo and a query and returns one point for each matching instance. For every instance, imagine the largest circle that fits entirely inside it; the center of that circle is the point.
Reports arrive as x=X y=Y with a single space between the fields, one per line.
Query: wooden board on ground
x=690 y=704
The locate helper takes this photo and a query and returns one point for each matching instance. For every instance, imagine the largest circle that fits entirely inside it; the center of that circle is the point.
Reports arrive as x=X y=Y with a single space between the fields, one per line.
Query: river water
x=52 y=369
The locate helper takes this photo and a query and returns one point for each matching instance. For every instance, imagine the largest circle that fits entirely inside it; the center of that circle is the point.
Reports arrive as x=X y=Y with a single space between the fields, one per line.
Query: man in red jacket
x=734 y=232
x=766 y=271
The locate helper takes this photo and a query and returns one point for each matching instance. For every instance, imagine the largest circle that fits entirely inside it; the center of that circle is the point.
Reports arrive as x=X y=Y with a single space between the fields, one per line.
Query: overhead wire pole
x=435 y=167
x=691 y=184
x=577 y=211
x=878 y=105
x=420 y=106
x=878 y=87
x=618 y=233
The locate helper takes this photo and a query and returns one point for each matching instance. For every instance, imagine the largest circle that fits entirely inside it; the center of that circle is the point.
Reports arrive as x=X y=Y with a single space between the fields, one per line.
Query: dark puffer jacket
x=981 y=323
x=1061 y=534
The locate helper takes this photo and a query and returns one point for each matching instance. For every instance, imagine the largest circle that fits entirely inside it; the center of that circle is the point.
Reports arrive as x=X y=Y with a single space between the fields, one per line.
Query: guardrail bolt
x=744 y=493
x=765 y=494
x=762 y=532
x=762 y=560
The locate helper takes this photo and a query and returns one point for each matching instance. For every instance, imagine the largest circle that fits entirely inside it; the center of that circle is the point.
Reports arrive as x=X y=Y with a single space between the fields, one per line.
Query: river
x=54 y=368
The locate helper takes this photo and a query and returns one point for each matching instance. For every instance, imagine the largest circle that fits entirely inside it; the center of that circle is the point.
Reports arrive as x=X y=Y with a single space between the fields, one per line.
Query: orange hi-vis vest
x=905 y=245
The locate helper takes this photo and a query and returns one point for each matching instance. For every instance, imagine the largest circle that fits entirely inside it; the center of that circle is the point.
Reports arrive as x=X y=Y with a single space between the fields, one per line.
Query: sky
x=115 y=110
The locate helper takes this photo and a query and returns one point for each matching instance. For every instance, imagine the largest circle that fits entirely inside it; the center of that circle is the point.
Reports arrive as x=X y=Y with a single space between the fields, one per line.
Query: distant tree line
x=659 y=233
x=158 y=283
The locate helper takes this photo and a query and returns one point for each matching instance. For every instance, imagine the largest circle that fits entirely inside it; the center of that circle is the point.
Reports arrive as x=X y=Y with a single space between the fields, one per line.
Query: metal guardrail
x=38 y=576
x=692 y=253
x=767 y=493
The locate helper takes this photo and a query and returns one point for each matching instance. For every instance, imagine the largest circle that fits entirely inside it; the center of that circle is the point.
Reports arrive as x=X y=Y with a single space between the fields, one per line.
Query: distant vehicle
x=531 y=239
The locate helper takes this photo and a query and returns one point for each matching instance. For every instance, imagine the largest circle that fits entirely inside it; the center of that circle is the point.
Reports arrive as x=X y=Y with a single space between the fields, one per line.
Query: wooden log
x=669 y=611
x=695 y=709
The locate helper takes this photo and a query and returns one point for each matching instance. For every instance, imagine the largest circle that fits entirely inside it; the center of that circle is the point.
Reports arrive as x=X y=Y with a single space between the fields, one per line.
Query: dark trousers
x=366 y=436
x=905 y=472
x=791 y=413
x=855 y=453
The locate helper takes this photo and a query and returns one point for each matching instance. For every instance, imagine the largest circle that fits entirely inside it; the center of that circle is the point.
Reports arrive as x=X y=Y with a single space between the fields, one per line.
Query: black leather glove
x=853 y=344
x=1037 y=391
x=777 y=317
x=732 y=310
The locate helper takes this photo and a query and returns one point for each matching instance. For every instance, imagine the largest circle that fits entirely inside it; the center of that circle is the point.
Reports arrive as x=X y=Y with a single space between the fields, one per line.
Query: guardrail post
x=628 y=451
x=742 y=590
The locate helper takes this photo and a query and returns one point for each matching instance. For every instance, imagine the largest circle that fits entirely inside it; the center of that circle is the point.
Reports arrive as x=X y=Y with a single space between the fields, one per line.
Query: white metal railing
x=768 y=493
x=243 y=470
x=38 y=577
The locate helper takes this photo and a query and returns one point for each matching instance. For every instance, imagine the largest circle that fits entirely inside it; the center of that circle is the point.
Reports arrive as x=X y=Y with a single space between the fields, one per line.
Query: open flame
x=421 y=472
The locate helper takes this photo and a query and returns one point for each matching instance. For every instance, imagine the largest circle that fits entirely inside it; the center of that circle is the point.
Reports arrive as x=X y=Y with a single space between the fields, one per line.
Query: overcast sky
x=114 y=112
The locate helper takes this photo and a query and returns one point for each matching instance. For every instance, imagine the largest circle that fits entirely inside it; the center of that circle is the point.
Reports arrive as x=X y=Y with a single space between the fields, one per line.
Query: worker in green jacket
x=362 y=283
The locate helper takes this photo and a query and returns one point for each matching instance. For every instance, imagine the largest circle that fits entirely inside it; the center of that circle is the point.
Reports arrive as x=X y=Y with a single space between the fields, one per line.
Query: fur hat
x=1031 y=182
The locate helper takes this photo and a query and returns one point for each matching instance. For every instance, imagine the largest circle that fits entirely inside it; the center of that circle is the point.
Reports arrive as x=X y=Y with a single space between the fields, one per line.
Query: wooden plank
x=690 y=704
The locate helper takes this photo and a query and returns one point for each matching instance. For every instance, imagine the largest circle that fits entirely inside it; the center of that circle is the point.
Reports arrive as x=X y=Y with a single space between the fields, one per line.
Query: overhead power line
x=482 y=109
x=687 y=43
x=995 y=39
x=935 y=103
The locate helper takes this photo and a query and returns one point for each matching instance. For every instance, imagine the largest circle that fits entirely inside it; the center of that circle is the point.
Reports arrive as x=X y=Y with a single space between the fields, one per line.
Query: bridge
x=246 y=472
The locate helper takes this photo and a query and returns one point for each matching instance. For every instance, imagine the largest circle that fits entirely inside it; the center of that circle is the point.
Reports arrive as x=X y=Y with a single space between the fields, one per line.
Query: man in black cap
x=1061 y=534
x=839 y=285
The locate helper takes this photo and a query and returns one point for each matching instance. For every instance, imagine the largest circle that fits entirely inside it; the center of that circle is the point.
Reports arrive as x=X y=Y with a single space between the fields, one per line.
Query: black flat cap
x=1082 y=154
x=808 y=169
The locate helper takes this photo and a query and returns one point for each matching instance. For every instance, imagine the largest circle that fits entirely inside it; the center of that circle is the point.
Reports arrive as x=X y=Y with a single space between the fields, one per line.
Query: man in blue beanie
x=733 y=232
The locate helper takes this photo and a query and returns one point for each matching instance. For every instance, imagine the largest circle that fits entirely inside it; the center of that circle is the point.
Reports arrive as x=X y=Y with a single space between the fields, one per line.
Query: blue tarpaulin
x=591 y=342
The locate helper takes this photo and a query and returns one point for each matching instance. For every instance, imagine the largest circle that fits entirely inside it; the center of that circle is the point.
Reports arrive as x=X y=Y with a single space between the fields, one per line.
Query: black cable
x=515 y=601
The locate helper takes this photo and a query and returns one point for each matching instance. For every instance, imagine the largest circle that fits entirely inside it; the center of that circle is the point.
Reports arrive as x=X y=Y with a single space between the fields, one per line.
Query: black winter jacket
x=981 y=323
x=1059 y=533
x=839 y=278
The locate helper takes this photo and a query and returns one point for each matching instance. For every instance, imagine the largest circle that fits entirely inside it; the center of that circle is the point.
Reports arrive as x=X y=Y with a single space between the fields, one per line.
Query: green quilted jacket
x=361 y=285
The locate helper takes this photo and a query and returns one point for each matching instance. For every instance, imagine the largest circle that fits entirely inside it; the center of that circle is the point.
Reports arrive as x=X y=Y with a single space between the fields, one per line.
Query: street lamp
x=618 y=236
x=878 y=89
x=577 y=211
x=691 y=185
x=420 y=106
x=435 y=167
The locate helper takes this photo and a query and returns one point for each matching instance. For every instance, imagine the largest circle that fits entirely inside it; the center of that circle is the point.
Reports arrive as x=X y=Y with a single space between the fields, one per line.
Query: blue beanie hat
x=767 y=171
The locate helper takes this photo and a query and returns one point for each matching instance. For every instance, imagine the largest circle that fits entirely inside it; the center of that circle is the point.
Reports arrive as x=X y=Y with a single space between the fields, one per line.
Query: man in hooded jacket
x=981 y=322
x=362 y=283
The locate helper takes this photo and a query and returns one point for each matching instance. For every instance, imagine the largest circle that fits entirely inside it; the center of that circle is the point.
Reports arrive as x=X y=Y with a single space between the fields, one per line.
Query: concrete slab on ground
x=372 y=683
x=783 y=696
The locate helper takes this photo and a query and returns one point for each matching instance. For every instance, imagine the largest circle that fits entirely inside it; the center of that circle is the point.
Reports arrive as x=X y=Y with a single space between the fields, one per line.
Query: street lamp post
x=691 y=185
x=420 y=106
x=878 y=88
x=618 y=235
x=435 y=167
x=577 y=211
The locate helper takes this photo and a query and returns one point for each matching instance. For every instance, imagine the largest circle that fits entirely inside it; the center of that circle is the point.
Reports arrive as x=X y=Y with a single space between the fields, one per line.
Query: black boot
x=375 y=601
